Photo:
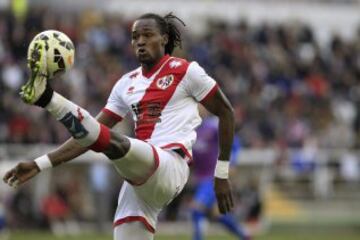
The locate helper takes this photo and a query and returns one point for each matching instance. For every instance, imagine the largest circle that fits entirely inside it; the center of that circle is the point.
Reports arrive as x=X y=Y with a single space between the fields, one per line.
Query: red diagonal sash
x=157 y=95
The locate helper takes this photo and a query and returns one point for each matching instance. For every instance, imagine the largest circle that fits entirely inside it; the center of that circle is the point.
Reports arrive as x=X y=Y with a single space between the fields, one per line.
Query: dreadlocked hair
x=167 y=26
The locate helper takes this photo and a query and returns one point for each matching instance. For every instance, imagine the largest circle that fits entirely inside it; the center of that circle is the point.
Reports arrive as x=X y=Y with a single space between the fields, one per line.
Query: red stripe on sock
x=103 y=140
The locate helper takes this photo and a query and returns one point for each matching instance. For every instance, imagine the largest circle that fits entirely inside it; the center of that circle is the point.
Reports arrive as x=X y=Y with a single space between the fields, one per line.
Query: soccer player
x=205 y=154
x=162 y=95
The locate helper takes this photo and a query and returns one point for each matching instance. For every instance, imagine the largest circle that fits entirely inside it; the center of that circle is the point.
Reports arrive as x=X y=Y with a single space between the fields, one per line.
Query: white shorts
x=144 y=202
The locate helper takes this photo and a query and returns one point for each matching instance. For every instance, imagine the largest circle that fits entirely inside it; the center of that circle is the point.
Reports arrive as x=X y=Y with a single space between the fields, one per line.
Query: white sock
x=82 y=126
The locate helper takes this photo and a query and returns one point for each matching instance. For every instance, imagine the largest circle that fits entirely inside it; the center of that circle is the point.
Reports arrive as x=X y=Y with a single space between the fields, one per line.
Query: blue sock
x=197 y=220
x=232 y=225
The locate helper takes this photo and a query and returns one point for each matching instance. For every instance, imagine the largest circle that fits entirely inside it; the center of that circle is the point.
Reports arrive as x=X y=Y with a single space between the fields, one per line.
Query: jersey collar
x=149 y=73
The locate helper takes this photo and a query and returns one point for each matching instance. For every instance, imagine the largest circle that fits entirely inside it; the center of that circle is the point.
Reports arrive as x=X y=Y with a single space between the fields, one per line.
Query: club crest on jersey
x=165 y=82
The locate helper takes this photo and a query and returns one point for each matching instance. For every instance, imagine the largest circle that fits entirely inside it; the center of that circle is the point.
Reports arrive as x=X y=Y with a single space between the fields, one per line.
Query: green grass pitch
x=273 y=235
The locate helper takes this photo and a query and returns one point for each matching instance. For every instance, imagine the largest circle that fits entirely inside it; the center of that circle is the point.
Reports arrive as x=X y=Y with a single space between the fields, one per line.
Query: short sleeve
x=198 y=83
x=115 y=104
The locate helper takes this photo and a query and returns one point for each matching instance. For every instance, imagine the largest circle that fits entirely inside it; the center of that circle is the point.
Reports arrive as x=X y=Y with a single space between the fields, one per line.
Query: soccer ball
x=59 y=48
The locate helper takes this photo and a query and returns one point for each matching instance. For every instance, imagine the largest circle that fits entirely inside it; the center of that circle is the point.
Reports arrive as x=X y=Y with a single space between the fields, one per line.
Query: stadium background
x=290 y=68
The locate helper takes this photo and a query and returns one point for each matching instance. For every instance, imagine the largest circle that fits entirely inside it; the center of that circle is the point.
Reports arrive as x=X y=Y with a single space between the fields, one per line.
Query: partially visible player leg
x=133 y=231
x=133 y=209
x=144 y=202
x=203 y=200
x=231 y=224
x=139 y=163
x=198 y=218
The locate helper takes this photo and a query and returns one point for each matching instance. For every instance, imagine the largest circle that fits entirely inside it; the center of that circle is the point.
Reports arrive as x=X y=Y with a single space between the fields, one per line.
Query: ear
x=165 y=39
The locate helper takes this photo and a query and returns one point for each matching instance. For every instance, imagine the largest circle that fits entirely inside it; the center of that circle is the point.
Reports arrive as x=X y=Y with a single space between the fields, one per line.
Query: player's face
x=147 y=41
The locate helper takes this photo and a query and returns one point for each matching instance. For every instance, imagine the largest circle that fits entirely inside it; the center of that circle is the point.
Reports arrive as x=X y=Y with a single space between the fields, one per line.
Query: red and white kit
x=164 y=106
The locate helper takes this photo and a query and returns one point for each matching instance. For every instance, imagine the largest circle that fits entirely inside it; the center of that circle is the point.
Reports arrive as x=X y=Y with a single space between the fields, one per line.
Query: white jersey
x=163 y=102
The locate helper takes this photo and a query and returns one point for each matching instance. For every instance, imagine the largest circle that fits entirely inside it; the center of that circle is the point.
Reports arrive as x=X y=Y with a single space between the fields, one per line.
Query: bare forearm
x=66 y=152
x=71 y=149
x=220 y=106
x=226 y=134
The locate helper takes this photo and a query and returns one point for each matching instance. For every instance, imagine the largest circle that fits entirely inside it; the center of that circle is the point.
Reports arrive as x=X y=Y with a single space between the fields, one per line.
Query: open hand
x=223 y=195
x=21 y=173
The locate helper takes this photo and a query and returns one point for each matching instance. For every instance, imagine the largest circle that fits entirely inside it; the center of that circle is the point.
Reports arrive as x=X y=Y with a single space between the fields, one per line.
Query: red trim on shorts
x=178 y=145
x=103 y=140
x=112 y=114
x=156 y=166
x=134 y=219
x=210 y=94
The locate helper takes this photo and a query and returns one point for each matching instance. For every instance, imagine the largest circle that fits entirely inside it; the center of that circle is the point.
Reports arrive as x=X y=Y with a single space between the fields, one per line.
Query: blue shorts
x=204 y=193
x=2 y=223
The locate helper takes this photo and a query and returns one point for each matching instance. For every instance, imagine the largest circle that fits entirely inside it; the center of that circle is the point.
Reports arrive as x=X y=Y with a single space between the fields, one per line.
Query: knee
x=118 y=147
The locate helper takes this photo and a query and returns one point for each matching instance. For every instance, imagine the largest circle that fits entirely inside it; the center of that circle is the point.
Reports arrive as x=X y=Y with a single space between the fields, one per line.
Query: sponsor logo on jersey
x=147 y=113
x=165 y=82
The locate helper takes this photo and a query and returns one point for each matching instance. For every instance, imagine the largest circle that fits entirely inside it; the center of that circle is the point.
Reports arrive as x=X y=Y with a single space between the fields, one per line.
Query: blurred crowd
x=287 y=88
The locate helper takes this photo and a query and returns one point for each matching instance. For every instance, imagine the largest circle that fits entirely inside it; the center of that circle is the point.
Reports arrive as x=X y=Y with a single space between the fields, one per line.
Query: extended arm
x=220 y=106
x=66 y=152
